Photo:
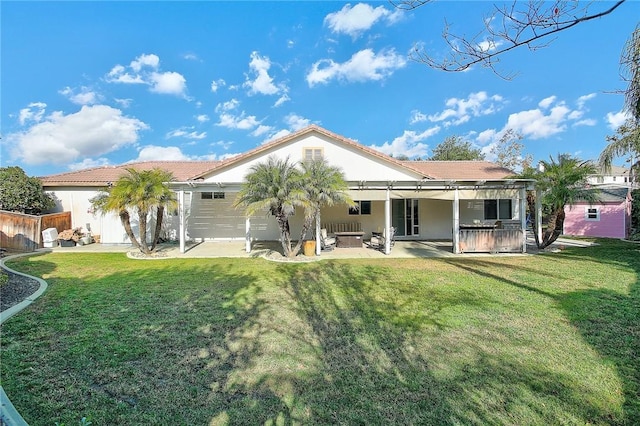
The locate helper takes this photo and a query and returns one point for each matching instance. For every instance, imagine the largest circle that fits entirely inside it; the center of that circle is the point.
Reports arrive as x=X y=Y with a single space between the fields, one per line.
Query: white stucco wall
x=356 y=164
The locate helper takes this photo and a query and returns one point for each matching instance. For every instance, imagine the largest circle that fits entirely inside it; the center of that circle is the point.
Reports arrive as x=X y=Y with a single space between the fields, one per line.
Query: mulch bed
x=16 y=289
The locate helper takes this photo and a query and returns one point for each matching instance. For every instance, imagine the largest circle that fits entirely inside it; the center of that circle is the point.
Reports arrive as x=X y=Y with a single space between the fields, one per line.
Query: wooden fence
x=23 y=232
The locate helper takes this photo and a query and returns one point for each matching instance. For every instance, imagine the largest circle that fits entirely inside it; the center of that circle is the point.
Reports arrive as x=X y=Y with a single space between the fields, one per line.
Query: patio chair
x=378 y=240
x=327 y=243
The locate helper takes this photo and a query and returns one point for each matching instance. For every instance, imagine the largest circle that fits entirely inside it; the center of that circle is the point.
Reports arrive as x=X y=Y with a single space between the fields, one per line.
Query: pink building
x=610 y=217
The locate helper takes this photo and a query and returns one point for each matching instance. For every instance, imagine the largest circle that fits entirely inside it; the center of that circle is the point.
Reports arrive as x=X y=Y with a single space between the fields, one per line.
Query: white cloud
x=586 y=122
x=417 y=117
x=227 y=106
x=261 y=130
x=546 y=102
x=487 y=136
x=617 y=119
x=488 y=45
x=187 y=133
x=144 y=60
x=168 y=83
x=62 y=139
x=191 y=57
x=153 y=153
x=124 y=103
x=552 y=117
x=216 y=84
x=359 y=18
x=284 y=98
x=583 y=99
x=202 y=118
x=364 y=65
x=84 y=96
x=223 y=144
x=296 y=122
x=460 y=111
x=262 y=83
x=33 y=112
x=536 y=124
x=279 y=134
x=145 y=70
x=241 y=122
x=409 y=144
x=89 y=163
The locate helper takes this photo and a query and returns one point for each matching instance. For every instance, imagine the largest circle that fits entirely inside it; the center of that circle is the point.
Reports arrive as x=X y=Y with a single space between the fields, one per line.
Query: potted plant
x=70 y=237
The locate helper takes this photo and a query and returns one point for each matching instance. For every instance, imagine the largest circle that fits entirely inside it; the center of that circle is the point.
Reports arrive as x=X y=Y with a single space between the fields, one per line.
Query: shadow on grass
x=138 y=345
x=253 y=342
x=608 y=319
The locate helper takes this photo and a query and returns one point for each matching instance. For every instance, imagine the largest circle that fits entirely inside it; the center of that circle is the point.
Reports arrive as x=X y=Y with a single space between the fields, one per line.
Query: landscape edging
x=8 y=413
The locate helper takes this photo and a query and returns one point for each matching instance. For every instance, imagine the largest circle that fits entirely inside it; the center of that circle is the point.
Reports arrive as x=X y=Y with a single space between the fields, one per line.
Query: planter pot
x=67 y=243
x=309 y=248
x=86 y=240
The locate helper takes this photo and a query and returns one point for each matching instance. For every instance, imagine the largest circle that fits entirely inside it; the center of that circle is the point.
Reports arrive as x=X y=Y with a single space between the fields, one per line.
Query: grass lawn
x=547 y=339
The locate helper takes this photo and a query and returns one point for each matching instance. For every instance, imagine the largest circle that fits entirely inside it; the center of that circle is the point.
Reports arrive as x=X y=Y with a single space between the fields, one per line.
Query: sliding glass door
x=405 y=217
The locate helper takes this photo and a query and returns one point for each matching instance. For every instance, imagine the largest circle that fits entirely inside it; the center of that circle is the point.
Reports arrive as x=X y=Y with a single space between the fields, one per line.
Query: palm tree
x=561 y=182
x=140 y=191
x=324 y=186
x=627 y=138
x=626 y=141
x=277 y=187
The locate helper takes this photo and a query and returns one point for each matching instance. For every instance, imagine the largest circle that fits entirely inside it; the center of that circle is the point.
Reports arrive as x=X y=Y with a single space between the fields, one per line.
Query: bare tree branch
x=533 y=24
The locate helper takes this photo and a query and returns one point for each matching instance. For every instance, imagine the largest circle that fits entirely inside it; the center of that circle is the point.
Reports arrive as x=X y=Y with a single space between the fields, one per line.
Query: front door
x=405 y=217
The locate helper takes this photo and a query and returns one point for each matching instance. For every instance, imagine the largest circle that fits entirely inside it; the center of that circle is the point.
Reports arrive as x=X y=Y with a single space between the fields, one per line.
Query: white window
x=311 y=154
x=498 y=209
x=592 y=213
x=361 y=207
x=212 y=195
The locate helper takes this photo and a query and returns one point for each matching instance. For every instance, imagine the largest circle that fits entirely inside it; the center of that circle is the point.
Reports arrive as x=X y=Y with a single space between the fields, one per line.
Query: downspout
x=247 y=233
x=318 y=246
x=523 y=217
x=456 y=222
x=181 y=220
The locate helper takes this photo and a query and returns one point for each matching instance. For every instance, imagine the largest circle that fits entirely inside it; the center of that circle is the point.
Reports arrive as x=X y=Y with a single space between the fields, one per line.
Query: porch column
x=181 y=219
x=456 y=222
x=523 y=217
x=387 y=223
x=247 y=234
x=318 y=244
x=539 y=214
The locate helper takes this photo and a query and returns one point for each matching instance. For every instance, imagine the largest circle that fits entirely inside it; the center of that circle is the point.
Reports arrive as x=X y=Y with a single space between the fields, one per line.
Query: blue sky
x=87 y=84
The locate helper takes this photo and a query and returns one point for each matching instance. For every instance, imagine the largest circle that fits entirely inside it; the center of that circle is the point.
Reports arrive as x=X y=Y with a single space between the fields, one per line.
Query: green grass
x=547 y=339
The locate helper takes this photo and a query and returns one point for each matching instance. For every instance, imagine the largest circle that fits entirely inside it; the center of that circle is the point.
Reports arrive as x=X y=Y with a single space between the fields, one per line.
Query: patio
x=401 y=249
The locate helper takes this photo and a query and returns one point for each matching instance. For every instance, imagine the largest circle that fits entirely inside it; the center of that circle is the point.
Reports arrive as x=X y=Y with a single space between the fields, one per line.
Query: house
x=609 y=217
x=617 y=175
x=423 y=200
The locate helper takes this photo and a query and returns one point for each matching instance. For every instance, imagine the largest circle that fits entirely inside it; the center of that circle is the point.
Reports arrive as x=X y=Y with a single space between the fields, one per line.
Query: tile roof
x=192 y=170
x=460 y=170
x=611 y=193
x=100 y=176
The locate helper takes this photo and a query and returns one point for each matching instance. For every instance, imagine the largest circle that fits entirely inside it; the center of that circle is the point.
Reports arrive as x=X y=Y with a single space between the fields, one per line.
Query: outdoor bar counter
x=483 y=237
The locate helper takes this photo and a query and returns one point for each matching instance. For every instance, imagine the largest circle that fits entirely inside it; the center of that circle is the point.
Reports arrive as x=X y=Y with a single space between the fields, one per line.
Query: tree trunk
x=126 y=222
x=156 y=232
x=554 y=228
x=308 y=220
x=531 y=203
x=285 y=233
x=142 y=216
